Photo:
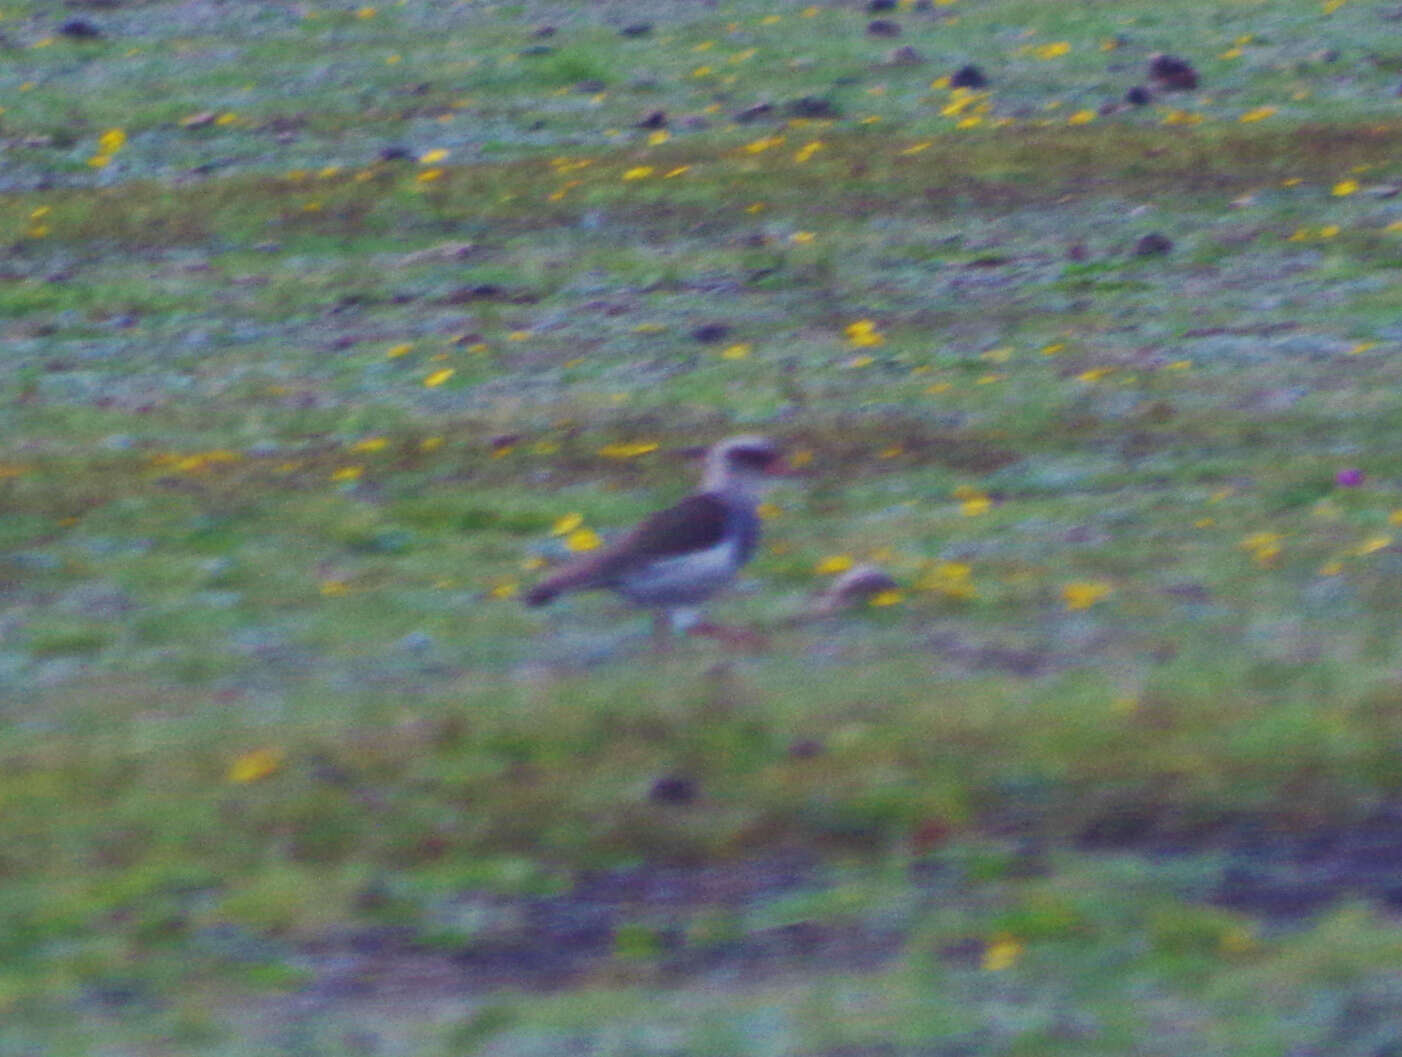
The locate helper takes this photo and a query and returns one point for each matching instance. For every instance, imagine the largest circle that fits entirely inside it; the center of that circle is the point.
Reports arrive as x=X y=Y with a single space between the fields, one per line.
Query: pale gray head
x=746 y=463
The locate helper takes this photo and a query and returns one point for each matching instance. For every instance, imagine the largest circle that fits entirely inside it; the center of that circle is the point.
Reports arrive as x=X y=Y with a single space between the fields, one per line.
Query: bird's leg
x=737 y=638
x=661 y=631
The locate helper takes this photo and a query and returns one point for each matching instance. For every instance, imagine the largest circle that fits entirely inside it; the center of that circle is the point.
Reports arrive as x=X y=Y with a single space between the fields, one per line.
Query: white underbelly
x=682 y=580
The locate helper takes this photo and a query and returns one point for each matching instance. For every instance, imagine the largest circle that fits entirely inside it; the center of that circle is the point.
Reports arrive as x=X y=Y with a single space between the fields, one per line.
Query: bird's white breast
x=683 y=579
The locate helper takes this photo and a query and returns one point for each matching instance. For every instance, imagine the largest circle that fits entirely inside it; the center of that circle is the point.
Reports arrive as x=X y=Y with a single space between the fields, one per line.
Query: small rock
x=875 y=7
x=753 y=113
x=503 y=441
x=1153 y=245
x=1077 y=252
x=1138 y=96
x=653 y=119
x=542 y=32
x=1325 y=55
x=1172 y=74
x=883 y=27
x=853 y=588
x=636 y=29
x=203 y=119
x=905 y=55
x=672 y=789
x=416 y=642
x=811 y=106
x=79 y=29
x=969 y=76
x=710 y=333
x=396 y=153
x=805 y=748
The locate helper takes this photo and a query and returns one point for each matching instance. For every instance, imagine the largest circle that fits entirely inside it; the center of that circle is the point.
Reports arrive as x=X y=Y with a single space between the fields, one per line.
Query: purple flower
x=1350 y=478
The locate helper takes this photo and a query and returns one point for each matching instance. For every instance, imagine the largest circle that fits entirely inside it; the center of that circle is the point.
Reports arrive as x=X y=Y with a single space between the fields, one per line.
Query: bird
x=680 y=556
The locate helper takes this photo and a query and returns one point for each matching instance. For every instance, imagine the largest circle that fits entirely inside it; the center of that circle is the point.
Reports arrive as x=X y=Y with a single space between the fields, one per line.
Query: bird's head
x=748 y=463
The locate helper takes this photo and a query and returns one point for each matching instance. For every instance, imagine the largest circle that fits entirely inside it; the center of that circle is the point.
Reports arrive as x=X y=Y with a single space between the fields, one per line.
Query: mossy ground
x=300 y=380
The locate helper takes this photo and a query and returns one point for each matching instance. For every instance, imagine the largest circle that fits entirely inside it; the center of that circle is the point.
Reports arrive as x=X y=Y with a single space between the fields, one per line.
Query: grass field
x=327 y=328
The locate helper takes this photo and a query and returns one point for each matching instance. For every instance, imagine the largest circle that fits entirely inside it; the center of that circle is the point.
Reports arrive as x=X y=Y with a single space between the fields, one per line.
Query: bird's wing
x=696 y=523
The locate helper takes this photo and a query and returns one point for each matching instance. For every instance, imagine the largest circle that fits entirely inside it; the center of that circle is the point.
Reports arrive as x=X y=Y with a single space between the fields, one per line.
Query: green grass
x=234 y=520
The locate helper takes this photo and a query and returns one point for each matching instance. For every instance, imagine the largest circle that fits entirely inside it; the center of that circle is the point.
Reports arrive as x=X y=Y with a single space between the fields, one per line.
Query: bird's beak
x=781 y=467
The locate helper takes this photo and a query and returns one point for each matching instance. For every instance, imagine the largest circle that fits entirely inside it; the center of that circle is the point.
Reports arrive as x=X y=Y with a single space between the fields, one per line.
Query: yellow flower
x=366 y=12
x=430 y=444
x=975 y=505
x=1264 y=547
x=1052 y=51
x=1344 y=188
x=889 y=597
x=950 y=579
x=1179 y=365
x=100 y=161
x=638 y=172
x=768 y=511
x=1084 y=593
x=1373 y=544
x=1095 y=374
x=863 y=334
x=519 y=335
x=396 y=351
x=370 y=444
x=701 y=71
x=808 y=150
x=676 y=172
x=627 y=450
x=334 y=588
x=567 y=524
x=433 y=156
x=255 y=766
x=738 y=351
x=1260 y=113
x=226 y=118
x=834 y=563
x=658 y=137
x=505 y=589
x=858 y=362
x=583 y=539
x=917 y=148
x=437 y=378
x=1181 y=117
x=1081 y=117
x=1362 y=346
x=429 y=175
x=802 y=237
x=1002 y=953
x=348 y=473
x=1052 y=349
x=111 y=141
x=759 y=146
